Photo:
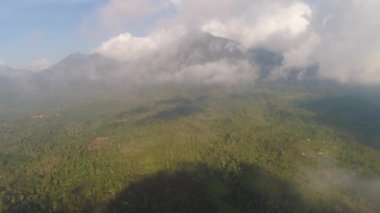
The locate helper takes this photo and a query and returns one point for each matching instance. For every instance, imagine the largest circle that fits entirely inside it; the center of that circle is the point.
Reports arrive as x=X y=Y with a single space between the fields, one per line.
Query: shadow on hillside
x=352 y=115
x=172 y=114
x=175 y=100
x=164 y=110
x=133 y=112
x=195 y=188
x=198 y=188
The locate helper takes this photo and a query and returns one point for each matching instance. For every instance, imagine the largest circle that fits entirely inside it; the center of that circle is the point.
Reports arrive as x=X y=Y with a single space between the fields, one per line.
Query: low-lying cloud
x=327 y=181
x=216 y=72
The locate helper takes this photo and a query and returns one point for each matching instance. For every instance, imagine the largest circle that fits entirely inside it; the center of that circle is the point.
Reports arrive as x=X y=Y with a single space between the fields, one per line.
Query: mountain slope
x=81 y=67
x=195 y=57
x=9 y=75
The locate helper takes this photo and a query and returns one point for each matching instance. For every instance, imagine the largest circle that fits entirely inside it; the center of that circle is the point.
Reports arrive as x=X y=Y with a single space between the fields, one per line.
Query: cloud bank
x=340 y=36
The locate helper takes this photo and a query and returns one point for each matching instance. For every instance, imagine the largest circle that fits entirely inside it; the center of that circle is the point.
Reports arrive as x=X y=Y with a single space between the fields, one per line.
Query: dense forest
x=178 y=148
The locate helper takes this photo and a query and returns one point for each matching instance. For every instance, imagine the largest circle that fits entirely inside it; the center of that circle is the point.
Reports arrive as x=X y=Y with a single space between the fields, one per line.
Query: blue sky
x=31 y=30
x=34 y=29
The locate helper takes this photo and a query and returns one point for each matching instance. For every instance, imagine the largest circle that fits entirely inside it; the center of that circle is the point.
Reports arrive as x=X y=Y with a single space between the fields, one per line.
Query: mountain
x=194 y=48
x=12 y=74
x=196 y=57
x=78 y=72
x=81 y=67
x=197 y=48
x=13 y=79
x=14 y=84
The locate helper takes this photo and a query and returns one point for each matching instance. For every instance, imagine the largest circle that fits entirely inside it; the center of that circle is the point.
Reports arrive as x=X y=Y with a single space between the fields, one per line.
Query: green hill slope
x=253 y=148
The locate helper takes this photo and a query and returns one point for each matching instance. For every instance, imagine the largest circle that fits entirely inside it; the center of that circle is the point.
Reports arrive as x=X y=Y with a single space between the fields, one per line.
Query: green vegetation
x=252 y=148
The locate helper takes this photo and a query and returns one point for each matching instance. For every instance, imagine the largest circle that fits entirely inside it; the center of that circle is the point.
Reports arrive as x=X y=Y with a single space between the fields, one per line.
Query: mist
x=325 y=181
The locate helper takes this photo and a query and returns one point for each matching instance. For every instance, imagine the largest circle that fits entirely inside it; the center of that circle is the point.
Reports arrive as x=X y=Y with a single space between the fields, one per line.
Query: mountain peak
x=202 y=47
x=196 y=36
x=74 y=56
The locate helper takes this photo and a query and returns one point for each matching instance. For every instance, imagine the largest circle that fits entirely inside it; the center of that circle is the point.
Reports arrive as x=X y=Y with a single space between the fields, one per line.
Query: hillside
x=197 y=148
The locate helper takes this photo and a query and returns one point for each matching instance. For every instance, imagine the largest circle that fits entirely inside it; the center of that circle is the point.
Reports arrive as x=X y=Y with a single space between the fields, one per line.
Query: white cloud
x=301 y=55
x=39 y=64
x=120 y=14
x=2 y=62
x=117 y=12
x=340 y=35
x=128 y=47
x=261 y=26
x=274 y=25
x=350 y=41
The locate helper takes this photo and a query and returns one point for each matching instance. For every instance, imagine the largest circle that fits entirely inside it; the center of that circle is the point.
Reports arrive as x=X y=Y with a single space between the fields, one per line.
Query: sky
x=34 y=31
x=342 y=36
